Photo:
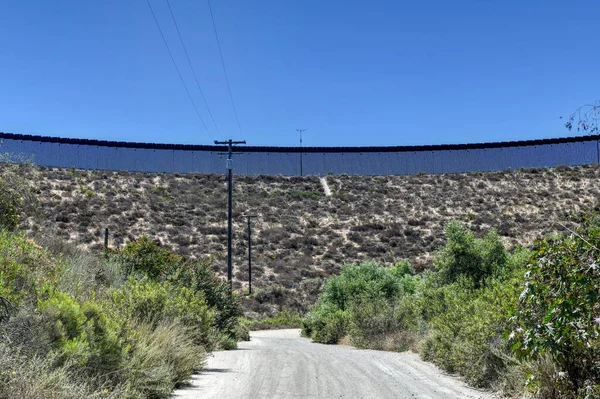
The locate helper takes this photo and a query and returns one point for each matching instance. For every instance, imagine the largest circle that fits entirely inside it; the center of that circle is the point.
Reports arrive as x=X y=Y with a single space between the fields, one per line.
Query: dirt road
x=281 y=364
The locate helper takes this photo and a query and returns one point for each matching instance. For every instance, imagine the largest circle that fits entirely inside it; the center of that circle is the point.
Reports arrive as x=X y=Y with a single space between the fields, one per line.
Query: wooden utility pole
x=249 y=255
x=229 y=153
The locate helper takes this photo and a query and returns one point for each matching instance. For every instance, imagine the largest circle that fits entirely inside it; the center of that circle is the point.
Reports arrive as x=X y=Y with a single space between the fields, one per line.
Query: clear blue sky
x=352 y=73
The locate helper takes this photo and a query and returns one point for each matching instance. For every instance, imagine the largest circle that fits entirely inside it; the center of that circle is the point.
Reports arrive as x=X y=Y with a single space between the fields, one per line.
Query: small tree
x=465 y=255
x=559 y=313
x=17 y=192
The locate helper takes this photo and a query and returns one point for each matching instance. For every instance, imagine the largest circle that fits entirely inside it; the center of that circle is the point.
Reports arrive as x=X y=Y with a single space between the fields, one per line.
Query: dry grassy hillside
x=299 y=234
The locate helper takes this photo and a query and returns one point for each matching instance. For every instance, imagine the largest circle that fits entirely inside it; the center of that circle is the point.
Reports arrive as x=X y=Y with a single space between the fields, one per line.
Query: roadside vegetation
x=299 y=235
x=284 y=319
x=130 y=323
x=521 y=322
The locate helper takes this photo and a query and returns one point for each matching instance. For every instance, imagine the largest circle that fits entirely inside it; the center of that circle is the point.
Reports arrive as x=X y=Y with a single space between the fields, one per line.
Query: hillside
x=299 y=234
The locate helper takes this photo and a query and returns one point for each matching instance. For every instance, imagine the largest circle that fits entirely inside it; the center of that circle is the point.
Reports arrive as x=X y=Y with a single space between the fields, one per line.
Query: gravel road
x=281 y=364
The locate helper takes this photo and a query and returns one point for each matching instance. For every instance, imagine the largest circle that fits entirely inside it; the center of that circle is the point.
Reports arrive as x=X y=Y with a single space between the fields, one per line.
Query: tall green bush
x=146 y=256
x=164 y=356
x=364 y=279
x=465 y=255
x=17 y=193
x=24 y=267
x=10 y=207
x=82 y=333
x=559 y=312
x=466 y=333
x=150 y=259
x=153 y=302
x=199 y=277
x=342 y=304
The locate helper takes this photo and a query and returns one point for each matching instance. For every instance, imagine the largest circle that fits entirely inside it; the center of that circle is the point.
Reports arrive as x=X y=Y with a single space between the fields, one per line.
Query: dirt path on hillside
x=325 y=186
x=281 y=364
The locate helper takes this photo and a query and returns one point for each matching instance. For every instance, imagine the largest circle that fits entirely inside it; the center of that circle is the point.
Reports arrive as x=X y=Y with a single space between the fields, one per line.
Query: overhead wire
x=237 y=119
x=178 y=71
x=191 y=67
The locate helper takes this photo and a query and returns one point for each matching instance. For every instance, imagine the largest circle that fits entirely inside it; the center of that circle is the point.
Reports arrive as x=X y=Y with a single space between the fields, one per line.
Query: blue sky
x=352 y=73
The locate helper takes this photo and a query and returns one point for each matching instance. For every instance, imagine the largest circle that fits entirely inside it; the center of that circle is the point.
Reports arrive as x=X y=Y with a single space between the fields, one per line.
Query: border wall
x=399 y=160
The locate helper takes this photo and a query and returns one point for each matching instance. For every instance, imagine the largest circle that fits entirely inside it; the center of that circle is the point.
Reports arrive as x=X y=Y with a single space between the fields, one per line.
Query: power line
x=191 y=67
x=177 y=69
x=237 y=119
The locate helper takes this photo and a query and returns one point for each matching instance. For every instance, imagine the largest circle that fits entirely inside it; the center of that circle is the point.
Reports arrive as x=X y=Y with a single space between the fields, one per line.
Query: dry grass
x=299 y=234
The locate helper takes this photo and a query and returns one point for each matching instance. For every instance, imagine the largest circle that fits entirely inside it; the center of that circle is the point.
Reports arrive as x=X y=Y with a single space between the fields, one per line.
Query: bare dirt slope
x=300 y=235
x=281 y=364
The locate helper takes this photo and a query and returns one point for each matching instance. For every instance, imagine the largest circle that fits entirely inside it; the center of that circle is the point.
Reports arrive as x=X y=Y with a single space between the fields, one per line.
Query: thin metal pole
x=249 y=256
x=301 y=131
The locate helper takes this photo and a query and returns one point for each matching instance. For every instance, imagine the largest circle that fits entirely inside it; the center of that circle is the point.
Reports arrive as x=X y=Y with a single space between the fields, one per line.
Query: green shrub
x=559 y=312
x=24 y=267
x=152 y=302
x=64 y=316
x=199 y=277
x=105 y=349
x=39 y=378
x=83 y=334
x=467 y=337
x=357 y=280
x=226 y=342
x=347 y=302
x=17 y=194
x=465 y=255
x=143 y=300
x=242 y=333
x=83 y=273
x=146 y=256
x=325 y=324
x=384 y=324
x=191 y=310
x=10 y=207
x=284 y=319
x=466 y=305
x=163 y=357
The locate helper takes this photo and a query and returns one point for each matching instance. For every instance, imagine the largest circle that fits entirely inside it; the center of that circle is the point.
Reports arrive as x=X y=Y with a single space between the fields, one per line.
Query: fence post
x=106 y=238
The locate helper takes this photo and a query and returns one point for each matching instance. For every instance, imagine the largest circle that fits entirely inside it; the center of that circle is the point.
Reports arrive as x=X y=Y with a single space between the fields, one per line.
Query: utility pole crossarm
x=229 y=142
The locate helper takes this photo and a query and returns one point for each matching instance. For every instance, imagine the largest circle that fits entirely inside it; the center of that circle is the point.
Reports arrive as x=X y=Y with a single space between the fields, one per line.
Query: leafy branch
x=585 y=119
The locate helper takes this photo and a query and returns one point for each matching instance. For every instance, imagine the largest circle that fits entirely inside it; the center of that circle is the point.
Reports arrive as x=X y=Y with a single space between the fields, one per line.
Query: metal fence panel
x=208 y=162
x=366 y=162
x=88 y=157
x=573 y=153
x=450 y=161
x=419 y=162
x=47 y=154
x=313 y=163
